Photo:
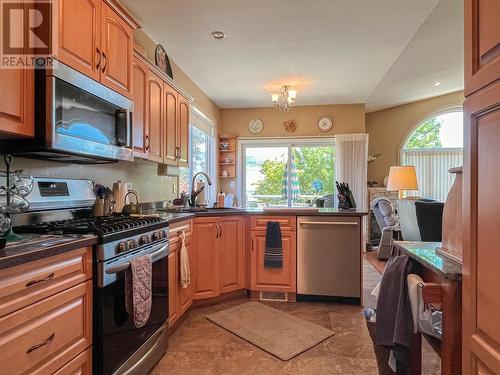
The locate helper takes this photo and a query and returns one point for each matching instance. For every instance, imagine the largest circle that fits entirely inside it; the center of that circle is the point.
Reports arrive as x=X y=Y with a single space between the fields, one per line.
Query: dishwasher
x=329 y=258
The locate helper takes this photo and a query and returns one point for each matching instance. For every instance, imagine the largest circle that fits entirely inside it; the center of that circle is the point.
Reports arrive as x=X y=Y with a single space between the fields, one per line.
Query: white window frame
x=211 y=153
x=244 y=143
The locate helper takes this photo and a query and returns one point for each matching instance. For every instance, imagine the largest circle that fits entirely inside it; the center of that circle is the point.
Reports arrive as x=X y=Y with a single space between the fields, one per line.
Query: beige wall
x=347 y=118
x=388 y=128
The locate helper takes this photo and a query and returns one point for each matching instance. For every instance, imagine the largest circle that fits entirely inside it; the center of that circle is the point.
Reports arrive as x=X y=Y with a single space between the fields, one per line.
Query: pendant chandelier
x=285 y=99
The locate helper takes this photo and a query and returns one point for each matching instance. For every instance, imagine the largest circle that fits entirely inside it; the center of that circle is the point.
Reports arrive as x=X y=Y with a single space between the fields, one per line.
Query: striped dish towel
x=273 y=254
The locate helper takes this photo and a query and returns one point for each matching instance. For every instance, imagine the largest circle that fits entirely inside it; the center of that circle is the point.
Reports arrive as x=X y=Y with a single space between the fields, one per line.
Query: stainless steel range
x=118 y=346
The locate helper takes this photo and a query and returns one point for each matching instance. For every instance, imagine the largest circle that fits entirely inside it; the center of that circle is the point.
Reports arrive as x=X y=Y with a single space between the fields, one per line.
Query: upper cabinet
x=17 y=97
x=17 y=100
x=164 y=136
x=482 y=46
x=140 y=97
x=116 y=48
x=96 y=38
x=79 y=35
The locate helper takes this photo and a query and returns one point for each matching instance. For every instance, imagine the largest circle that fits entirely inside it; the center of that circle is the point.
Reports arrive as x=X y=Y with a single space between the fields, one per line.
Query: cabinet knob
x=98 y=53
x=105 y=62
x=147 y=142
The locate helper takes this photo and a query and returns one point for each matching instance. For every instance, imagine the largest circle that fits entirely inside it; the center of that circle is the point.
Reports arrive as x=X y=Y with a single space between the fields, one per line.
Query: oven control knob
x=144 y=240
x=122 y=247
x=156 y=236
x=132 y=244
x=163 y=234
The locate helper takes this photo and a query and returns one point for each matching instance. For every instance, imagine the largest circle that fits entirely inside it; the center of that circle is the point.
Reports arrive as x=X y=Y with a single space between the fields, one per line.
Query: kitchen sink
x=197 y=209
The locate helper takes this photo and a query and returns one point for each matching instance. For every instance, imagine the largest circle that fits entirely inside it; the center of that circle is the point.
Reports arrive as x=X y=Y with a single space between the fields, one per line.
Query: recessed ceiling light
x=217 y=34
x=438 y=83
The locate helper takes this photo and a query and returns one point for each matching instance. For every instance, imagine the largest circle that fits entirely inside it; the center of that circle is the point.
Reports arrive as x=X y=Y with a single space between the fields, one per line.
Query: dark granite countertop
x=40 y=247
x=425 y=254
x=173 y=217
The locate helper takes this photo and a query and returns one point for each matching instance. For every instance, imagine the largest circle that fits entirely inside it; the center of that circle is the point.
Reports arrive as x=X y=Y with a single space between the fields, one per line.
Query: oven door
x=115 y=336
x=87 y=117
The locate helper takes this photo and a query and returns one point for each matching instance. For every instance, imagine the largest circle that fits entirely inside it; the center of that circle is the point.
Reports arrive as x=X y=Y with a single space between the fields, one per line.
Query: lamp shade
x=402 y=178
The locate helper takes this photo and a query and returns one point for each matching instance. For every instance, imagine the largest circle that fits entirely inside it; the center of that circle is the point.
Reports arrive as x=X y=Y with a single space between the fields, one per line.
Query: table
x=443 y=284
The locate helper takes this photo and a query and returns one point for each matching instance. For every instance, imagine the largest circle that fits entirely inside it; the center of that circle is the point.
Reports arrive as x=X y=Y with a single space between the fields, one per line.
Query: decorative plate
x=255 y=126
x=162 y=61
x=325 y=124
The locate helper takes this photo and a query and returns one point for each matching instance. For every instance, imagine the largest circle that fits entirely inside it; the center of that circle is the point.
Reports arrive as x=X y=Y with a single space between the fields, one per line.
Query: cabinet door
x=17 y=102
x=186 y=294
x=481 y=208
x=183 y=133
x=80 y=365
x=79 y=35
x=116 y=44
x=173 y=283
x=231 y=254
x=273 y=279
x=155 y=116
x=140 y=114
x=205 y=270
x=482 y=43
x=170 y=125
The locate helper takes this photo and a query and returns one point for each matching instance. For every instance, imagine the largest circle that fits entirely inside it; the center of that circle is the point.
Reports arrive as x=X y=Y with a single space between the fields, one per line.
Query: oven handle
x=156 y=255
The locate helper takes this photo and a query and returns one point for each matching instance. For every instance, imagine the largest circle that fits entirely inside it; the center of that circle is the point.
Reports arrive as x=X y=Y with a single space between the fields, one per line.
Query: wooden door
x=186 y=294
x=183 y=132
x=482 y=43
x=116 y=44
x=155 y=116
x=173 y=283
x=271 y=279
x=231 y=254
x=17 y=102
x=481 y=258
x=170 y=125
x=79 y=35
x=205 y=265
x=141 y=107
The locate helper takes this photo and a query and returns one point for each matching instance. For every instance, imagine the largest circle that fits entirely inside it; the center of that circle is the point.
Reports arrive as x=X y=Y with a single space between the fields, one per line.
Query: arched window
x=433 y=147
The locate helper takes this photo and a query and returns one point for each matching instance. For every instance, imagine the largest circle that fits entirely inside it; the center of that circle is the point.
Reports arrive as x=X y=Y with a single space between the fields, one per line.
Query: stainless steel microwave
x=77 y=120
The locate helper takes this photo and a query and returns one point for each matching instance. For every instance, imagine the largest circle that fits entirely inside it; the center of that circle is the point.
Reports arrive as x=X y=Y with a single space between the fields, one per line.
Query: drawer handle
x=49 y=277
x=328 y=223
x=46 y=342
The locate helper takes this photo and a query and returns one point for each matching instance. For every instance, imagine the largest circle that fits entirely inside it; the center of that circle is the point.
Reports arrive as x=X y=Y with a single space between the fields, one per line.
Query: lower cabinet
x=179 y=298
x=273 y=279
x=218 y=265
x=80 y=365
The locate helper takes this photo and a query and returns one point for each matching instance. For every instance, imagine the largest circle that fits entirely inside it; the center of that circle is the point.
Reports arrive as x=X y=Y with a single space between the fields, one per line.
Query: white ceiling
x=379 y=52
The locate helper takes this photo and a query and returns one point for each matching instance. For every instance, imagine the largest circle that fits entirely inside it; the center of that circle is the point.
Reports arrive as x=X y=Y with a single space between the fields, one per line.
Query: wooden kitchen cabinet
x=141 y=108
x=218 y=256
x=272 y=279
x=155 y=117
x=116 y=47
x=80 y=365
x=231 y=254
x=180 y=299
x=183 y=132
x=17 y=102
x=79 y=35
x=170 y=124
x=205 y=270
x=482 y=46
x=96 y=39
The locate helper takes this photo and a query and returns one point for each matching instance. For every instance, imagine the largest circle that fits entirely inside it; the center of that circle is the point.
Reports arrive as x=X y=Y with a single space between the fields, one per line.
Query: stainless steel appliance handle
x=158 y=254
x=329 y=223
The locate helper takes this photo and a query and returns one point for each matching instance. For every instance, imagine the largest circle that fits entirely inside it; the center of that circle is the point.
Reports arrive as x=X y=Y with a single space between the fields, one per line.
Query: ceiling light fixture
x=285 y=99
x=218 y=35
x=438 y=83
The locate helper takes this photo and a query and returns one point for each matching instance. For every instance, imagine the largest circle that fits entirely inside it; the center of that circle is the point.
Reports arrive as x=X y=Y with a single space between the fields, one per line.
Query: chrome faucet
x=194 y=193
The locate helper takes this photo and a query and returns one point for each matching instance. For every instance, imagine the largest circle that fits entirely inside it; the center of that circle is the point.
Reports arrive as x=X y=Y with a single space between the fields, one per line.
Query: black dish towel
x=273 y=255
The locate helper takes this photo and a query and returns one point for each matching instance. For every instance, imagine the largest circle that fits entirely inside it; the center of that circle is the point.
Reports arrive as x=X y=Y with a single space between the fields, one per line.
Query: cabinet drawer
x=23 y=285
x=81 y=365
x=42 y=337
x=260 y=222
x=176 y=228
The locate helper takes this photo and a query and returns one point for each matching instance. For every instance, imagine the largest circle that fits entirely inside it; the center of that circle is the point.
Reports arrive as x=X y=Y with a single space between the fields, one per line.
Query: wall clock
x=255 y=126
x=325 y=124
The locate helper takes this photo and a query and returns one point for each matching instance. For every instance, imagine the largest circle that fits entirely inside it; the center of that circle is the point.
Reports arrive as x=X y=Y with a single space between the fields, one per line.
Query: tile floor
x=200 y=347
